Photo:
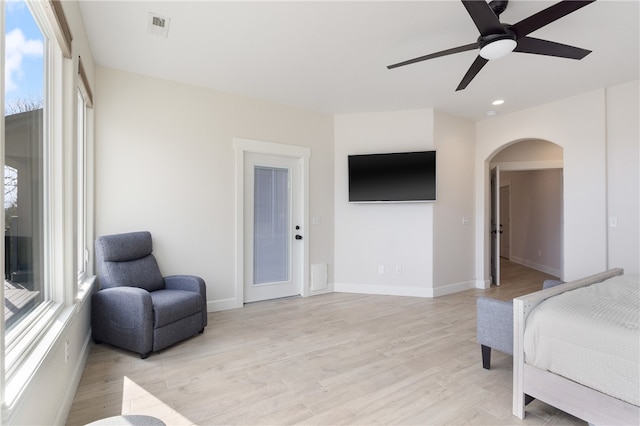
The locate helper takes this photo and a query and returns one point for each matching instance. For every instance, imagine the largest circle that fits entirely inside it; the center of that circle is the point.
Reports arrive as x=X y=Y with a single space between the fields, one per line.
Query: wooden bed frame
x=585 y=403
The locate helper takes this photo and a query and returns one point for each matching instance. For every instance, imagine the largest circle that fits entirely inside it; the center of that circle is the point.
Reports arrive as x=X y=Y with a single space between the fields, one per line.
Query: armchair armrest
x=189 y=283
x=186 y=282
x=495 y=324
x=123 y=316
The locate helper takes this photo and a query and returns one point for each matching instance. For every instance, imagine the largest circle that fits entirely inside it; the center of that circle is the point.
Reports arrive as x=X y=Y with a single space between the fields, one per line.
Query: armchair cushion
x=173 y=305
x=126 y=261
x=124 y=247
x=142 y=273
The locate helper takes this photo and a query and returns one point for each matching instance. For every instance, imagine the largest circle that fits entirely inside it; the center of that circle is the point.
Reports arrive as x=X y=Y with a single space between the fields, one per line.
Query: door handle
x=298 y=237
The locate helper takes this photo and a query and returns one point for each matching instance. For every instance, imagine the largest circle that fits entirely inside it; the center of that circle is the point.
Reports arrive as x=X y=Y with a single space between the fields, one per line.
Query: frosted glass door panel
x=271 y=238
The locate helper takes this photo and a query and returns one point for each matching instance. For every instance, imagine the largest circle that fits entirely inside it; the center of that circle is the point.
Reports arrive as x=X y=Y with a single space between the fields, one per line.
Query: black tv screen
x=395 y=177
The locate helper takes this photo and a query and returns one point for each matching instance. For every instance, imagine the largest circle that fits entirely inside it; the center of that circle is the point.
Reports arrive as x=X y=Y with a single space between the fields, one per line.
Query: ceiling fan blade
x=458 y=49
x=547 y=16
x=475 y=68
x=484 y=18
x=549 y=48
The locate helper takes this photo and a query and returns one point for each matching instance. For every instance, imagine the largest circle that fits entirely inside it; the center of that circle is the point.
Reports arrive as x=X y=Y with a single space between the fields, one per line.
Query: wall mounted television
x=392 y=177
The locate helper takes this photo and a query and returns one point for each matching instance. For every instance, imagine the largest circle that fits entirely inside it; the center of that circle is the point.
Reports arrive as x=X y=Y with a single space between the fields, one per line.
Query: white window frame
x=25 y=346
x=84 y=179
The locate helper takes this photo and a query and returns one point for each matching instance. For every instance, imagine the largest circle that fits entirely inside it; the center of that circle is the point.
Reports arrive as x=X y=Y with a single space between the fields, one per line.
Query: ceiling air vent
x=158 y=25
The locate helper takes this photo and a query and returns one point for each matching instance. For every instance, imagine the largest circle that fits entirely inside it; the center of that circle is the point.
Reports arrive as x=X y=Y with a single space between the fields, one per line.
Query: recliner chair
x=136 y=307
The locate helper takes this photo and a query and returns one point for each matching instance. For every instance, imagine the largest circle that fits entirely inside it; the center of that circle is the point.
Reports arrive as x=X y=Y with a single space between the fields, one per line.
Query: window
x=48 y=225
x=83 y=177
x=81 y=191
x=25 y=139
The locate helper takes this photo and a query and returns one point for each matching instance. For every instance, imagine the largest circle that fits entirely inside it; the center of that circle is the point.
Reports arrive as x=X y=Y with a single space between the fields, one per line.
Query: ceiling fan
x=497 y=39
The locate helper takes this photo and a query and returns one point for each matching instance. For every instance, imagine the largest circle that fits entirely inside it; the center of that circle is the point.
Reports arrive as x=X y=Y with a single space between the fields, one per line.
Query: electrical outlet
x=66 y=351
x=398 y=269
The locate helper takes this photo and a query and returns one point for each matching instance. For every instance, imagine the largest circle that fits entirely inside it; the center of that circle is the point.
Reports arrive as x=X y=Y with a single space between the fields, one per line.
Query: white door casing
x=290 y=157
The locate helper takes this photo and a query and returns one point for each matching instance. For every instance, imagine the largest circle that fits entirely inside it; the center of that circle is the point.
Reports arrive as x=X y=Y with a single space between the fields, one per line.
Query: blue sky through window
x=24 y=54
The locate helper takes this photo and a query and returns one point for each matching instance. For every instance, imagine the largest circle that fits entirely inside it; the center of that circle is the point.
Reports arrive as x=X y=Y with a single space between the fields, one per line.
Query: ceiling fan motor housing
x=495 y=46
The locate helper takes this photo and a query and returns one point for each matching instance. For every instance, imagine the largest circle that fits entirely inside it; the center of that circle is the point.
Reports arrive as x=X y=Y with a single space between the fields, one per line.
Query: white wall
x=394 y=234
x=581 y=126
x=453 y=228
x=528 y=154
x=165 y=163
x=623 y=176
x=408 y=236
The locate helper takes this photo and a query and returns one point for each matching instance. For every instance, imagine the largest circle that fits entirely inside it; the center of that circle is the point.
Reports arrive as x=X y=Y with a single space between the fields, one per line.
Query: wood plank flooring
x=326 y=360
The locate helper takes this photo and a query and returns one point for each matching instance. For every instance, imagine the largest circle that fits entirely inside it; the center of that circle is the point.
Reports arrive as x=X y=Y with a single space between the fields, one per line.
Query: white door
x=495 y=225
x=272 y=227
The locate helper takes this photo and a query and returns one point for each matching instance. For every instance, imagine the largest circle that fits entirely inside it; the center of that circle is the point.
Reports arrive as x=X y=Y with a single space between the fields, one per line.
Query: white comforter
x=591 y=336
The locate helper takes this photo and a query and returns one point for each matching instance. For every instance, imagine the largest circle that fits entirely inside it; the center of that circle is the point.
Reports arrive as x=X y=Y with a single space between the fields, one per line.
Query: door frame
x=515 y=166
x=302 y=154
x=494 y=224
x=505 y=218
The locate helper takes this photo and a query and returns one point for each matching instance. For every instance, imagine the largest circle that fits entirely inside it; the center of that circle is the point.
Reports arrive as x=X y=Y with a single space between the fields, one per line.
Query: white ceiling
x=331 y=56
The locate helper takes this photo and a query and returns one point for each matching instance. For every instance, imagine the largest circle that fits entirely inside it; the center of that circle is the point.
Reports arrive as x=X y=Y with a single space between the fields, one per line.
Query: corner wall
x=453 y=228
x=623 y=176
x=413 y=249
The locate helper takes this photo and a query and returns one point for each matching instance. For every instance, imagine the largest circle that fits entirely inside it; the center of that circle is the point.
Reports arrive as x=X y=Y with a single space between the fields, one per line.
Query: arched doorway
x=526 y=207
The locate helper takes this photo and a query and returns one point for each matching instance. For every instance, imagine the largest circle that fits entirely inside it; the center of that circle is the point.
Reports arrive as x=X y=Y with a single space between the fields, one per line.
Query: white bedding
x=590 y=335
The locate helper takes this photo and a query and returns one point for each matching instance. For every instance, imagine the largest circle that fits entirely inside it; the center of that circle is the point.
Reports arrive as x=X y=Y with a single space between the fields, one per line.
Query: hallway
x=516 y=280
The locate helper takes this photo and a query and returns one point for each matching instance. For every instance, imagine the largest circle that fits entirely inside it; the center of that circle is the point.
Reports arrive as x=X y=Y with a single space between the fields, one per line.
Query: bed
x=577 y=348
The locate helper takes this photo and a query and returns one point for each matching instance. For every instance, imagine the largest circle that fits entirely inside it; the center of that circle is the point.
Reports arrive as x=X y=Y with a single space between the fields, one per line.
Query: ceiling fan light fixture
x=497 y=49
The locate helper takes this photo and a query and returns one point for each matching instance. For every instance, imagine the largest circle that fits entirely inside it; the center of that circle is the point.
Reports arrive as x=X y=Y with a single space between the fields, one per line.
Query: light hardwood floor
x=326 y=360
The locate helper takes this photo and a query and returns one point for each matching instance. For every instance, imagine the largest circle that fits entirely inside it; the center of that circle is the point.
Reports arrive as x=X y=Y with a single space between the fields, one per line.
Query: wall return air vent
x=158 y=25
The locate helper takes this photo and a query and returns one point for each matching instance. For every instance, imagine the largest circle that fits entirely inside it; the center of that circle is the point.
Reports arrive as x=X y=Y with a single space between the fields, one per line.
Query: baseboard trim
x=223 y=305
x=328 y=289
x=388 y=290
x=483 y=284
x=453 y=288
x=537 y=266
x=384 y=290
x=70 y=395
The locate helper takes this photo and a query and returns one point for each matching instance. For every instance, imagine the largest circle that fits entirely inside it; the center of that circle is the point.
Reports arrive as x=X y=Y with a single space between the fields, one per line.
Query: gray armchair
x=136 y=307
x=495 y=325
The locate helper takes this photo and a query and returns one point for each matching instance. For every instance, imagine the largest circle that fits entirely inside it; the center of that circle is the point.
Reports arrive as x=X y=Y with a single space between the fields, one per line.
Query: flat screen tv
x=393 y=177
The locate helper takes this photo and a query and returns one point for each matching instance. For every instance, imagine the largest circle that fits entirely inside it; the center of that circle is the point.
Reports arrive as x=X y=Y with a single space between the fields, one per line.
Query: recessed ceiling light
x=497 y=102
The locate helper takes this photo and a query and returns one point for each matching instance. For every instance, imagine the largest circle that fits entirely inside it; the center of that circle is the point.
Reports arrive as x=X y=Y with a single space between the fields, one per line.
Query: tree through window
x=24 y=179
